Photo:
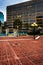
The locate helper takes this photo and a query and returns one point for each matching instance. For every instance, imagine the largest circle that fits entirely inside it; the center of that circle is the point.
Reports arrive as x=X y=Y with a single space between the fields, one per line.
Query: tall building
x=28 y=12
x=1 y=17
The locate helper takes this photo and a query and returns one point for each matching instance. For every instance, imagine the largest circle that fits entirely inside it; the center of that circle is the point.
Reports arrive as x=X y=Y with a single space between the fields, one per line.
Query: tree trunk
x=15 y=32
x=7 y=31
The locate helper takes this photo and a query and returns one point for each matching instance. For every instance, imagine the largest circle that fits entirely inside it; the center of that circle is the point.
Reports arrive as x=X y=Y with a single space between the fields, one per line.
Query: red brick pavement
x=21 y=51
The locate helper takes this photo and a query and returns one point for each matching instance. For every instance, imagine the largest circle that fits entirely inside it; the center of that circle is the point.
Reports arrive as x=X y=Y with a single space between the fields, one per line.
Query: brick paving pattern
x=21 y=51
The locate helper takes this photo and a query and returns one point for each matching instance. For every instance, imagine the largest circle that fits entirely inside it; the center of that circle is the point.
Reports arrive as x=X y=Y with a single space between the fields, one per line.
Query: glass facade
x=27 y=11
x=1 y=17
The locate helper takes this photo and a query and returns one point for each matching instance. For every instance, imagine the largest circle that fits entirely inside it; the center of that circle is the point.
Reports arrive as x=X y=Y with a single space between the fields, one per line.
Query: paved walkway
x=21 y=51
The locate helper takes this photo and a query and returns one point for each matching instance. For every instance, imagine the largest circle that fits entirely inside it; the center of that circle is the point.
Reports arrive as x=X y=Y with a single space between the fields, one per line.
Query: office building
x=28 y=12
x=1 y=17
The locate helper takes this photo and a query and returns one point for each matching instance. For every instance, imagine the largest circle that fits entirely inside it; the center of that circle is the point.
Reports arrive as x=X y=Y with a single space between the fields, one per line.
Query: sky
x=4 y=3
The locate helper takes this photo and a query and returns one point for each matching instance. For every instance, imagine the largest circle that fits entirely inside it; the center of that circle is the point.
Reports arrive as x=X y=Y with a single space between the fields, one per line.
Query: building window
x=32 y=20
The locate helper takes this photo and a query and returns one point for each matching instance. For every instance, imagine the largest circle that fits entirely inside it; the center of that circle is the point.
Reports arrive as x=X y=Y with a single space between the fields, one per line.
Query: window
x=26 y=12
x=32 y=20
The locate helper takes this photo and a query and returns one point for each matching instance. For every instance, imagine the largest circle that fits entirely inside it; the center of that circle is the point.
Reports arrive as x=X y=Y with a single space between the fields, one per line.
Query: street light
x=34 y=25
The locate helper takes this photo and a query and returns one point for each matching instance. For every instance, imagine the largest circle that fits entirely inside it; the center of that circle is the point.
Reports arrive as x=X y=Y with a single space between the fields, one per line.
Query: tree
x=0 y=27
x=5 y=25
x=0 y=23
x=17 y=25
x=6 y=28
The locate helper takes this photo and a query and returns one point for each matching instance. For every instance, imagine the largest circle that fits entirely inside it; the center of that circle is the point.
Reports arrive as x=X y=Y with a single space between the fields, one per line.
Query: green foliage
x=17 y=24
x=5 y=25
x=0 y=23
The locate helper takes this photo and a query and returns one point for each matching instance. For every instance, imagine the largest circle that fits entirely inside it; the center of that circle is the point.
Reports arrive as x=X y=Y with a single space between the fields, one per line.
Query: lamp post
x=34 y=25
